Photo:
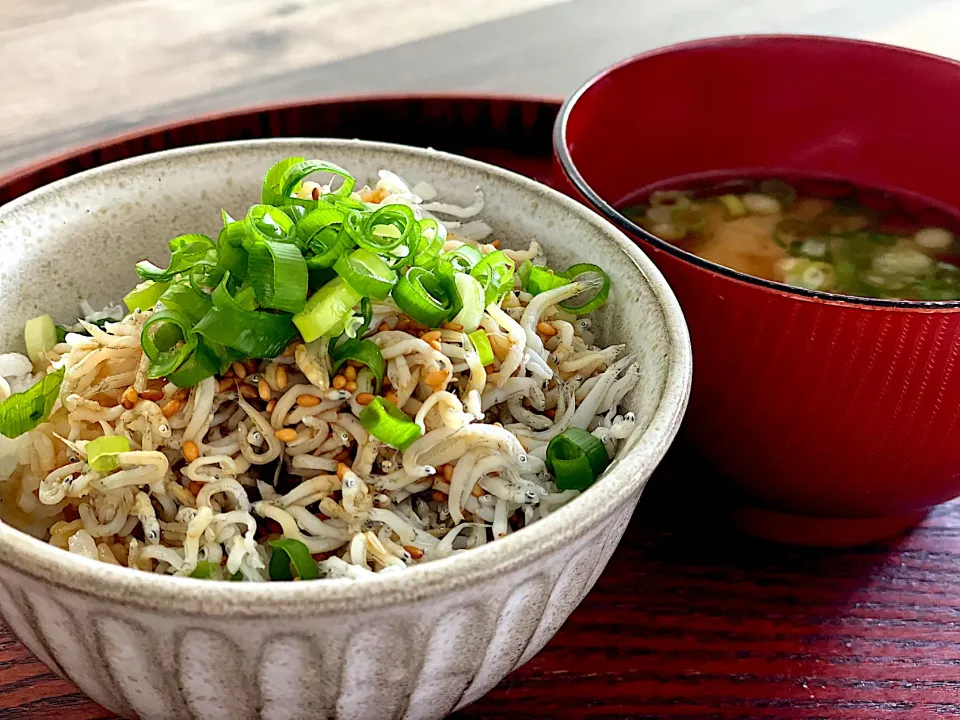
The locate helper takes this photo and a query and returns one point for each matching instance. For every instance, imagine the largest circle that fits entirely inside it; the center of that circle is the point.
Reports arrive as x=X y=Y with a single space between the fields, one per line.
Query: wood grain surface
x=690 y=620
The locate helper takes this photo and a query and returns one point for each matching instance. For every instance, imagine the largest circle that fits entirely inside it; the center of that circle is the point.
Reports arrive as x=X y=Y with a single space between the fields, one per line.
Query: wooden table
x=691 y=620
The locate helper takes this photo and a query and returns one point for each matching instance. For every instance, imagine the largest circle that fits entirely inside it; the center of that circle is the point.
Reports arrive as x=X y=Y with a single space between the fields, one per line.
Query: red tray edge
x=69 y=153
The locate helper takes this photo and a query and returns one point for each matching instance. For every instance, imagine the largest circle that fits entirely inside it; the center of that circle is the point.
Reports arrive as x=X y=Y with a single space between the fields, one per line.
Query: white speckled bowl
x=416 y=644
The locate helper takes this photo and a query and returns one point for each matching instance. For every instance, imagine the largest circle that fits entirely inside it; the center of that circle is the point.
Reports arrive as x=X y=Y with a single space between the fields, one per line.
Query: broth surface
x=772 y=230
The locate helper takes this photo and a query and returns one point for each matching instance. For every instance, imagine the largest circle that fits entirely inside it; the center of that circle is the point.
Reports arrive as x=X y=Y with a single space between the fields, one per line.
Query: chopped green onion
x=167 y=336
x=205 y=570
x=482 y=345
x=388 y=227
x=273 y=182
x=366 y=317
x=245 y=298
x=340 y=329
x=323 y=257
x=40 y=335
x=688 y=219
x=288 y=552
x=419 y=295
x=364 y=352
x=230 y=253
x=194 y=370
x=576 y=458
x=324 y=218
x=23 y=411
x=848 y=280
x=253 y=333
x=471 y=294
x=185 y=252
x=326 y=307
x=183 y=298
x=145 y=295
x=584 y=302
x=264 y=222
x=217 y=354
x=813 y=275
x=429 y=249
x=445 y=274
x=102 y=452
x=541 y=279
x=207 y=359
x=463 y=258
x=329 y=243
x=733 y=205
x=278 y=275
x=296 y=212
x=523 y=272
x=206 y=274
x=495 y=273
x=344 y=202
x=166 y=360
x=386 y=422
x=295 y=174
x=366 y=312
x=366 y=273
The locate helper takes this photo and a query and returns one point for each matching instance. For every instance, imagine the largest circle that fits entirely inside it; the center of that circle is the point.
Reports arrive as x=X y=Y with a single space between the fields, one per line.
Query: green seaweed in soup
x=825 y=244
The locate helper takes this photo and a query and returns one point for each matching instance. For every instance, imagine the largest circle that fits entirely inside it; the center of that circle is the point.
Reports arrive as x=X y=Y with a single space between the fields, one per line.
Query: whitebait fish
x=343 y=383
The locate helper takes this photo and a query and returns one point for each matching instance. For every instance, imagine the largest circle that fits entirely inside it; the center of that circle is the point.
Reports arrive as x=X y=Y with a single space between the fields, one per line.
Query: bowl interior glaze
x=80 y=238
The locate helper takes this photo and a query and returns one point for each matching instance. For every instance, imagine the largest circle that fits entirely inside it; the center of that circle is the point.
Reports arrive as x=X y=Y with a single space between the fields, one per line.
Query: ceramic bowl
x=416 y=644
x=832 y=418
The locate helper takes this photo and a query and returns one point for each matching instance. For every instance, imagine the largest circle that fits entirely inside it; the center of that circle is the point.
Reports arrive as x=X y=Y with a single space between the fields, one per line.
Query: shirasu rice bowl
x=424 y=393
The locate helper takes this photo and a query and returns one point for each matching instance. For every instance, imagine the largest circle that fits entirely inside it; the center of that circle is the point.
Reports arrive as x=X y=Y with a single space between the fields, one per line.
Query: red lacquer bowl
x=834 y=420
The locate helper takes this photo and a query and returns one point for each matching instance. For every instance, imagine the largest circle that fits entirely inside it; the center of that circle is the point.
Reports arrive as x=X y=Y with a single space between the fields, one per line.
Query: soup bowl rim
x=610 y=213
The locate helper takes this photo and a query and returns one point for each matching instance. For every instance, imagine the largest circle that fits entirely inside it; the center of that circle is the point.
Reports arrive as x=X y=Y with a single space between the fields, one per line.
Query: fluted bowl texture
x=415 y=644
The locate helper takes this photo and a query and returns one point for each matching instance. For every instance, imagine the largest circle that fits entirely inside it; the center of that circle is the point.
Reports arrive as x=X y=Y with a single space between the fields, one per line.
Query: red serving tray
x=514 y=133
x=689 y=620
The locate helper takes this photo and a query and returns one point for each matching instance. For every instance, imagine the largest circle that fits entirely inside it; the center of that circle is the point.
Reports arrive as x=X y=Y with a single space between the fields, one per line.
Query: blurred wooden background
x=78 y=70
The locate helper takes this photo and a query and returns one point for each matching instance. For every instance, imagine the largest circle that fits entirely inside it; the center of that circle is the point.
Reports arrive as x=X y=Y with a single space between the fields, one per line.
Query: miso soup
x=847 y=242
